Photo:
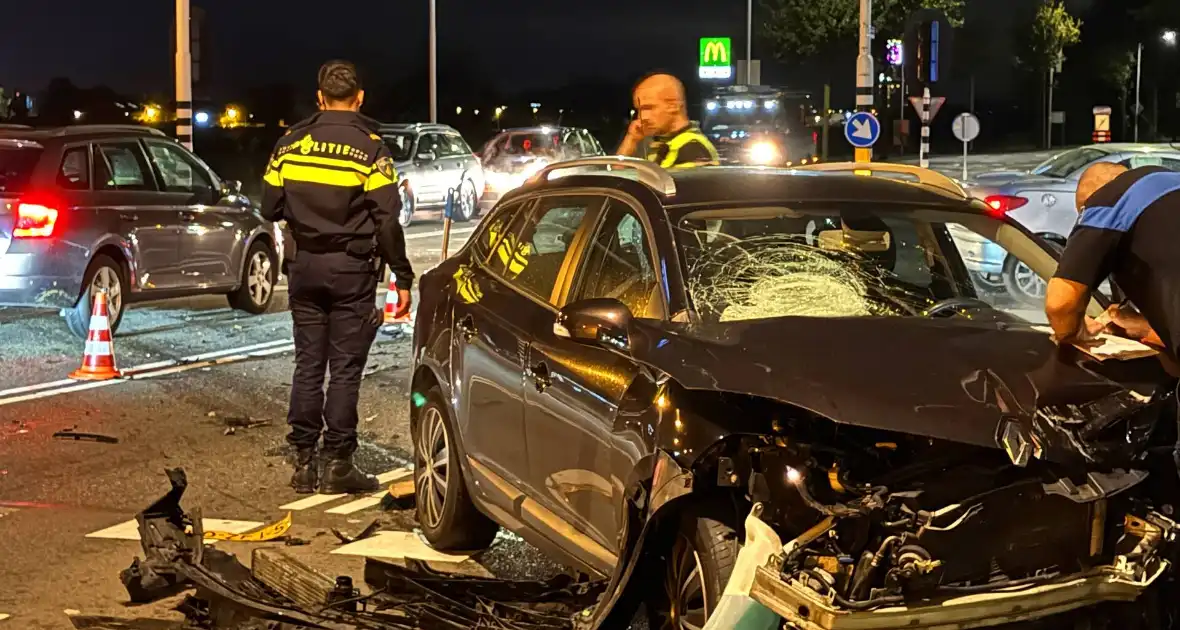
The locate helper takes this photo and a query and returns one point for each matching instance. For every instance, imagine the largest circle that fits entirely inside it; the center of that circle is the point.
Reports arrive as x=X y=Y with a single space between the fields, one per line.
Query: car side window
x=179 y=172
x=431 y=143
x=74 y=173
x=592 y=146
x=491 y=229
x=121 y=166
x=532 y=253
x=455 y=146
x=618 y=263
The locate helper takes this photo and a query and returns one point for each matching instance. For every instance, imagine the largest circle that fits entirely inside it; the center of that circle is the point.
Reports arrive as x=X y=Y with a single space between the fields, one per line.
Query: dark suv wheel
x=260 y=274
x=104 y=273
x=446 y=514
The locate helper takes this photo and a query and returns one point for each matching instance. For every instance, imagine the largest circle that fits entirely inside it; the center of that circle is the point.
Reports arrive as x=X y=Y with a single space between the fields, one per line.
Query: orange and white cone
x=98 y=360
x=391 y=307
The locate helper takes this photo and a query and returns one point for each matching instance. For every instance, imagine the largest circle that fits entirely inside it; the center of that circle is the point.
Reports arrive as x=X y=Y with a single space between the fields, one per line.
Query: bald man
x=663 y=116
x=1129 y=230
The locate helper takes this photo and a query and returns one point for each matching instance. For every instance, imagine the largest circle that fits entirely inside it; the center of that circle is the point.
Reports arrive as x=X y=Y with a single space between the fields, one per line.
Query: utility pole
x=184 y=81
x=433 y=63
x=864 y=71
x=1138 y=75
x=749 y=38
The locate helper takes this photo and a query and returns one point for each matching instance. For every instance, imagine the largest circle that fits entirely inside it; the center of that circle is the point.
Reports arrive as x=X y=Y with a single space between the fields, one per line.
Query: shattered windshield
x=761 y=263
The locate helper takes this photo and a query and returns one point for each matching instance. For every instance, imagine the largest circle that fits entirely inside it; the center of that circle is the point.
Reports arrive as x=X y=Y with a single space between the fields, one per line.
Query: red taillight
x=1003 y=204
x=34 y=221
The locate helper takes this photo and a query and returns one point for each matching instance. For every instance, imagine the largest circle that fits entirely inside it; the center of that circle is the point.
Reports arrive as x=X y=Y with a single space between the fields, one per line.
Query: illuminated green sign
x=715 y=58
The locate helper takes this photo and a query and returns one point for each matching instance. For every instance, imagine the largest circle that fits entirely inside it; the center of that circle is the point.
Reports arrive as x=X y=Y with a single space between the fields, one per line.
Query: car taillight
x=1003 y=204
x=34 y=221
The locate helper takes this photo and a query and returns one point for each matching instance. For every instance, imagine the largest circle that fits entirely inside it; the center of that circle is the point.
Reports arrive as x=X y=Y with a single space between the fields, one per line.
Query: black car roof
x=76 y=132
x=740 y=184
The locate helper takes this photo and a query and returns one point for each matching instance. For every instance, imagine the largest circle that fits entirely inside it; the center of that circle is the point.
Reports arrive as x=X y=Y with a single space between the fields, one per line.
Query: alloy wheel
x=258 y=278
x=467 y=202
x=684 y=587
x=407 y=213
x=1028 y=282
x=433 y=454
x=108 y=279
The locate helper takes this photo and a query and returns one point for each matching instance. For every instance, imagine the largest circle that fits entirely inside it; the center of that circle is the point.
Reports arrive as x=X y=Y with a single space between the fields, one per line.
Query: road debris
x=369 y=530
x=228 y=595
x=79 y=436
x=275 y=530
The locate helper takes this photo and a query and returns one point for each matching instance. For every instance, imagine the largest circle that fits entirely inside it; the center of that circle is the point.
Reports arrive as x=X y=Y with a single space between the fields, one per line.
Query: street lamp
x=433 y=64
x=1168 y=37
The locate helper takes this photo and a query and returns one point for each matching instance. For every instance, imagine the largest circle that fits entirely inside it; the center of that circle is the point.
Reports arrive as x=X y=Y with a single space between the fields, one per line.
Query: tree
x=1116 y=70
x=799 y=28
x=1053 y=30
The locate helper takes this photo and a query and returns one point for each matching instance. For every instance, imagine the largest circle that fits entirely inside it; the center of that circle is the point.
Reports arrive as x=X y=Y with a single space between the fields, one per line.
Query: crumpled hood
x=951 y=379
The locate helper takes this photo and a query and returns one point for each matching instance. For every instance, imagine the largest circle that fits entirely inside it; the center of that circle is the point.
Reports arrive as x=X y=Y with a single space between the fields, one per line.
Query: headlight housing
x=765 y=152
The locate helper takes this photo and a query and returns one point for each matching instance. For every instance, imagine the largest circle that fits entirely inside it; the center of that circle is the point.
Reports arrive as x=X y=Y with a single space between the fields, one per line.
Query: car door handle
x=127 y=216
x=467 y=328
x=541 y=377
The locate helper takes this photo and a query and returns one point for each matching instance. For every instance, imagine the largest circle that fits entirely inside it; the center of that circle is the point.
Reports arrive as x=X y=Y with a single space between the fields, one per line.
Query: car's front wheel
x=448 y=518
x=1023 y=284
x=103 y=274
x=259 y=277
x=406 y=216
x=697 y=568
x=466 y=203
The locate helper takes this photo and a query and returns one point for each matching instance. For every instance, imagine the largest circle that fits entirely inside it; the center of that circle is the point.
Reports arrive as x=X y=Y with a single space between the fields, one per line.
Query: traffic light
x=928 y=35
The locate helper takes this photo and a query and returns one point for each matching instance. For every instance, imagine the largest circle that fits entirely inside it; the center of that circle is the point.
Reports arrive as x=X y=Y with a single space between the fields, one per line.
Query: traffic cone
x=98 y=360
x=391 y=307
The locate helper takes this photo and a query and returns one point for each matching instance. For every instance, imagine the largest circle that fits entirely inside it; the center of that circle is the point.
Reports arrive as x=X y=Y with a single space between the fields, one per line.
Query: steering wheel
x=940 y=308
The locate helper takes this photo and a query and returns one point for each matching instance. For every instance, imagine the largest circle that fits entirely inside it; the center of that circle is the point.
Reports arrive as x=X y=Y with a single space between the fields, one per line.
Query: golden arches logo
x=715 y=53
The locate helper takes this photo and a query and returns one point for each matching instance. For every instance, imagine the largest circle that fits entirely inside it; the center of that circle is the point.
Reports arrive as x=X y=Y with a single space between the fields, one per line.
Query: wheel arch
x=260 y=235
x=120 y=253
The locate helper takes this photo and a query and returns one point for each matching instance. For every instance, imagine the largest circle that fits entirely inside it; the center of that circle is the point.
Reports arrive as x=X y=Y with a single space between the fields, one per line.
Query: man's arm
x=1087 y=261
x=632 y=140
x=1065 y=307
x=385 y=203
x=273 y=195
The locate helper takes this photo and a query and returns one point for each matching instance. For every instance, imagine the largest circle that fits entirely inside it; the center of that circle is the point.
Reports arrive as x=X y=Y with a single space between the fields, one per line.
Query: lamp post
x=433 y=64
x=1168 y=38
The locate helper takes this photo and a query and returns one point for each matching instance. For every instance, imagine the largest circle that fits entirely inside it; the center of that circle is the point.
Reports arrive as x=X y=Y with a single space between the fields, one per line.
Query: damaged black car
x=619 y=366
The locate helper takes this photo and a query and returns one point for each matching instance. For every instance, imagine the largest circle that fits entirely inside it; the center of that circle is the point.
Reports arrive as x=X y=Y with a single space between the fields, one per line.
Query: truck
x=761 y=125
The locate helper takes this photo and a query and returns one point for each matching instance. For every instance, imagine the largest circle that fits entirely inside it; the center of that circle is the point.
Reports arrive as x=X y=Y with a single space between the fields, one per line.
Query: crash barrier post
x=98 y=358
x=737 y=609
x=448 y=208
x=392 y=301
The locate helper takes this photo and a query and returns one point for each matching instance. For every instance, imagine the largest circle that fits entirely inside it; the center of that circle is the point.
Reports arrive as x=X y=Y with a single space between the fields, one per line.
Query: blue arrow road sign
x=862 y=130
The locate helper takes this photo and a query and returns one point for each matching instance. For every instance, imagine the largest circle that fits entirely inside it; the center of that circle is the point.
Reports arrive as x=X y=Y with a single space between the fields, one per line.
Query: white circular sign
x=965 y=127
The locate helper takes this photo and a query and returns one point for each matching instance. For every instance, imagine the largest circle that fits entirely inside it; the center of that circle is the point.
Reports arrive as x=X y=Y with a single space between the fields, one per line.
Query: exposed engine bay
x=890 y=531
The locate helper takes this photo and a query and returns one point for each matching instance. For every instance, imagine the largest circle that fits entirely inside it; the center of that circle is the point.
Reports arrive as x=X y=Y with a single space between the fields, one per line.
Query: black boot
x=307 y=475
x=342 y=477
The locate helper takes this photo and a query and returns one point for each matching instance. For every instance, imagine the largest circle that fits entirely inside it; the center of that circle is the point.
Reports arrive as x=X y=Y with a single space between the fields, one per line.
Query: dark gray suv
x=128 y=210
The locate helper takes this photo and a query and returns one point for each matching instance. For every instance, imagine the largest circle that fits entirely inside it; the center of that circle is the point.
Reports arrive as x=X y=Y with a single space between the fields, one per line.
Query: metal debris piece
x=244 y=422
x=88 y=437
x=400 y=496
x=369 y=530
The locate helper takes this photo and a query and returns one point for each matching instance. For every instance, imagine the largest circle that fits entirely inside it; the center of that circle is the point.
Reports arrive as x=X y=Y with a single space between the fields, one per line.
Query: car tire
x=448 y=518
x=103 y=272
x=1022 y=284
x=260 y=274
x=467 y=203
x=406 y=217
x=697 y=567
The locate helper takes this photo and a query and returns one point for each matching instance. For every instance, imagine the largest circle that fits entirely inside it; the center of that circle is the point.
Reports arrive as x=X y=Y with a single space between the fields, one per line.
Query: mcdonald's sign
x=715 y=58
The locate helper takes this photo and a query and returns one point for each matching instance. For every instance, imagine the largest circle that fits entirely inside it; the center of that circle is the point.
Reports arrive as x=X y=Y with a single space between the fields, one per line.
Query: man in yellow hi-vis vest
x=662 y=115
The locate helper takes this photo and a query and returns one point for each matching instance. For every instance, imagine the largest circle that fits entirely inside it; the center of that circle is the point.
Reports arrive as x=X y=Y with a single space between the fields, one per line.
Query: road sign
x=965 y=127
x=716 y=53
x=935 y=104
x=862 y=130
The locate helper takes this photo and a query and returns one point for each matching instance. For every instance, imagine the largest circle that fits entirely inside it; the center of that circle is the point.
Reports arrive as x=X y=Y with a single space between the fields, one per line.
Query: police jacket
x=331 y=177
x=685 y=148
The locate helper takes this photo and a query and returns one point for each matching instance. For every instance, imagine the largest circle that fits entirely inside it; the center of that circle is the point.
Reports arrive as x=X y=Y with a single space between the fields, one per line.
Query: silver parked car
x=514 y=155
x=1042 y=200
x=127 y=210
x=432 y=159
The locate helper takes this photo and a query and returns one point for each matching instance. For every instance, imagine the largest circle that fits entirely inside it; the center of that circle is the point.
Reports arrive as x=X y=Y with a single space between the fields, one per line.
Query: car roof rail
x=924 y=176
x=64 y=131
x=650 y=174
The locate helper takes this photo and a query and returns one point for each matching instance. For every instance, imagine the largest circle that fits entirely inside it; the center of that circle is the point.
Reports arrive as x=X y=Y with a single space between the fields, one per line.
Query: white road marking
x=359 y=504
x=4 y=616
x=397 y=545
x=454 y=231
x=129 y=530
x=152 y=370
x=320 y=499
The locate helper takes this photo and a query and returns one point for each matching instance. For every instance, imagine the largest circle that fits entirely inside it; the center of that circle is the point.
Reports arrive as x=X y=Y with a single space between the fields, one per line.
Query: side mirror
x=426 y=156
x=231 y=188
x=599 y=321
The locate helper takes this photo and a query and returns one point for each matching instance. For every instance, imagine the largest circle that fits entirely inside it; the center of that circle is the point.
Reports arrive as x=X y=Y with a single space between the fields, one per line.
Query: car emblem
x=1048 y=200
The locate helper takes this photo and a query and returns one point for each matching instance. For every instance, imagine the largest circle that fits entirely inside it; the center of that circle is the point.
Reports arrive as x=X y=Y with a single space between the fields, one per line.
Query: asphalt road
x=199 y=367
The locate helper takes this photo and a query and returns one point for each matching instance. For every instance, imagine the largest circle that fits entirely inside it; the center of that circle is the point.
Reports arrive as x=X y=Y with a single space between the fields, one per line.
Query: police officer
x=676 y=142
x=332 y=179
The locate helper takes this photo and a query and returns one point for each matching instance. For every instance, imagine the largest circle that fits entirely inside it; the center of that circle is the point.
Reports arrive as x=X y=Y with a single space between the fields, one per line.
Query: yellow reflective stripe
x=326 y=176
x=378 y=180
x=273 y=177
x=294 y=158
x=675 y=144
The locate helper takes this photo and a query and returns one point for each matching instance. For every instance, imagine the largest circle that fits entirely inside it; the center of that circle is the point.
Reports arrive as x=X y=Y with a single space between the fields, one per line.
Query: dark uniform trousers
x=333 y=305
